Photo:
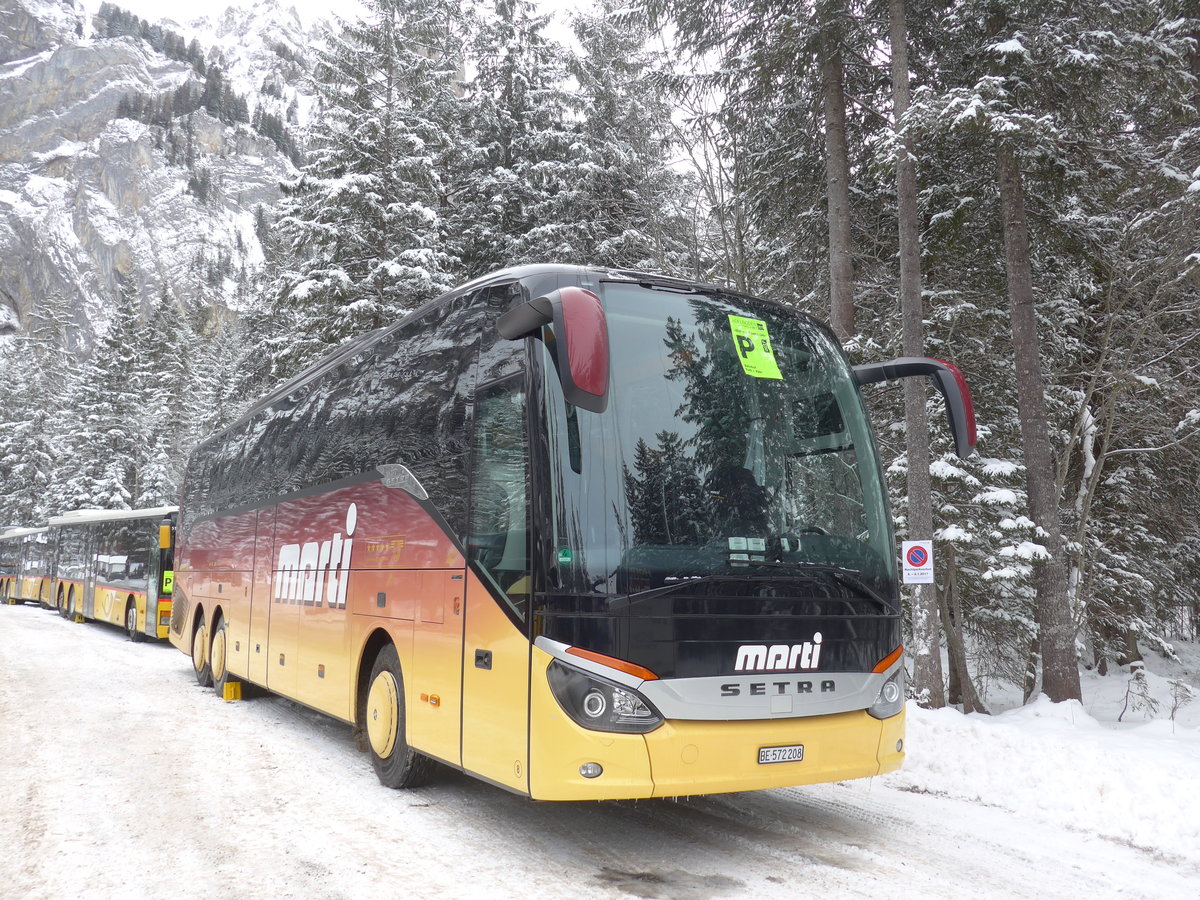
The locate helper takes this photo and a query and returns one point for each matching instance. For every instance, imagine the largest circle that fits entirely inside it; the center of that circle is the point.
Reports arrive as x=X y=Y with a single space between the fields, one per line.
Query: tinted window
x=498 y=543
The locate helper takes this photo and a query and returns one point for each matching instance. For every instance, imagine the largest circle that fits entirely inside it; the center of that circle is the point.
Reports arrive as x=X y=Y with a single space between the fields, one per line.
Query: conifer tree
x=519 y=177
x=36 y=368
x=362 y=228
x=626 y=204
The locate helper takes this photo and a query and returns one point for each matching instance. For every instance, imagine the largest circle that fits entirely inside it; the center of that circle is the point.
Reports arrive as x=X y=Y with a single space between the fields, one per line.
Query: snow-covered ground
x=119 y=777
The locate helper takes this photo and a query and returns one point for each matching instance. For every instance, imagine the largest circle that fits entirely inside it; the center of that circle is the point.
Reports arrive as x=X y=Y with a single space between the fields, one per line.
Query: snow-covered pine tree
x=168 y=430
x=515 y=195
x=362 y=230
x=36 y=368
x=626 y=204
x=104 y=417
x=1076 y=102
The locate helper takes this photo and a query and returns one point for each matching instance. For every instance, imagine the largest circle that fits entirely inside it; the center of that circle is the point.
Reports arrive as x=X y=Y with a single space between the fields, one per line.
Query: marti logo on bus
x=308 y=572
x=779 y=657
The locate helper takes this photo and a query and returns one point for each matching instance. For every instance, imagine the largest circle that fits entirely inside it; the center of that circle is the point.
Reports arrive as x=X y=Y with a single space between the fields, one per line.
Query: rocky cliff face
x=97 y=195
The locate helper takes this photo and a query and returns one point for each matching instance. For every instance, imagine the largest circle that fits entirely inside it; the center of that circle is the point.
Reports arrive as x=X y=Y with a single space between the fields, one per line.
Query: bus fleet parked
x=113 y=566
x=580 y=533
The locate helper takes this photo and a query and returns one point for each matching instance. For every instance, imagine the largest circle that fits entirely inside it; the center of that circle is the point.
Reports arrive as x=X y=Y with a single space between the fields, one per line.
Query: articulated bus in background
x=116 y=567
x=580 y=533
x=25 y=558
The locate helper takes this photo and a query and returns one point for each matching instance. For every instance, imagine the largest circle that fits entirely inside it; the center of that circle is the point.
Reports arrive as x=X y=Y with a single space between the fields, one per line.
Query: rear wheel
x=200 y=662
x=381 y=715
x=131 y=622
x=71 y=604
x=218 y=661
x=61 y=603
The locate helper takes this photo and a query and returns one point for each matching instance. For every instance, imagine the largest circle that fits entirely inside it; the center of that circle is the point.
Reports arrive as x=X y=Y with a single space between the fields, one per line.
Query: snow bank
x=1054 y=763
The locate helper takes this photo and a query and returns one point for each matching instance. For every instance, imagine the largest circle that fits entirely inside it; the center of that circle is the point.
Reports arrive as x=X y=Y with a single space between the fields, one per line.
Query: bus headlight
x=891 y=697
x=598 y=703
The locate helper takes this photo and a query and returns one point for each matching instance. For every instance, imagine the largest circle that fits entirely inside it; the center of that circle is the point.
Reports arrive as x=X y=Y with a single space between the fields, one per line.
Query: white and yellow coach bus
x=25 y=561
x=116 y=567
x=580 y=533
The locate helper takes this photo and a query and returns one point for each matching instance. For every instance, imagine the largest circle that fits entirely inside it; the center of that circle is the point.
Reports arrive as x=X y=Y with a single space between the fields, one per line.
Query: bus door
x=496 y=649
x=90 y=565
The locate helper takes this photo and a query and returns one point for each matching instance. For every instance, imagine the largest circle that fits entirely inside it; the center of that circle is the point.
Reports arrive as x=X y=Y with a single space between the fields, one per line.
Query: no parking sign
x=917 y=557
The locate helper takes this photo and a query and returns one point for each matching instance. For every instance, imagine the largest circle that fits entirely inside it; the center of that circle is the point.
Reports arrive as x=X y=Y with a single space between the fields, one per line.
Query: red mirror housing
x=960 y=410
x=579 y=344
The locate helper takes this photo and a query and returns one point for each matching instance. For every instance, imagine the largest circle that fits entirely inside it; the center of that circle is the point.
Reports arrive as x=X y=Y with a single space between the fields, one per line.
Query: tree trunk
x=962 y=687
x=925 y=651
x=1056 y=629
x=837 y=170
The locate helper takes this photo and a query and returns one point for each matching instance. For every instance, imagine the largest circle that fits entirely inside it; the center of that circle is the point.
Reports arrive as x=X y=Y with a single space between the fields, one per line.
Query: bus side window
x=498 y=540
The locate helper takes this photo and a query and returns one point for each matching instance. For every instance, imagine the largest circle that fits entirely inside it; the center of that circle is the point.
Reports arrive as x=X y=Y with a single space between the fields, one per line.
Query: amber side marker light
x=619 y=664
x=886 y=663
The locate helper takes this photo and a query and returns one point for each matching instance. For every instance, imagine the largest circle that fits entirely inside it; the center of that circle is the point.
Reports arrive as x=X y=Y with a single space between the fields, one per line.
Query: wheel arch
x=376 y=641
x=198 y=619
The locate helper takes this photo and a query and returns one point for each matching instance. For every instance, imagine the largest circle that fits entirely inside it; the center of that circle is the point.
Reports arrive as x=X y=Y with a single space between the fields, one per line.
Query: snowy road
x=119 y=777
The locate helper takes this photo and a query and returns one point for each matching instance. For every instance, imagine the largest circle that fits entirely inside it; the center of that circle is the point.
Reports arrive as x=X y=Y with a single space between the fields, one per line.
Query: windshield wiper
x=848 y=577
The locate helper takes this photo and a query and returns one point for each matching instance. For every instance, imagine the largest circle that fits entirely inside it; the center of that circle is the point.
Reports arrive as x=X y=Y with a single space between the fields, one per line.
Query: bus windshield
x=734 y=443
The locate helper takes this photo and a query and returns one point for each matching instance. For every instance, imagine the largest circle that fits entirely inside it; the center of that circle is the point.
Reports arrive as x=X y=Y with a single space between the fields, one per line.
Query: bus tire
x=218 y=657
x=61 y=603
x=200 y=660
x=131 y=622
x=71 y=604
x=381 y=716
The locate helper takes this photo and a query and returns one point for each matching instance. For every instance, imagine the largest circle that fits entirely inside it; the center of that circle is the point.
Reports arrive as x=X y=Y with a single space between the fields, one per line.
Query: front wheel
x=200 y=662
x=131 y=623
x=381 y=715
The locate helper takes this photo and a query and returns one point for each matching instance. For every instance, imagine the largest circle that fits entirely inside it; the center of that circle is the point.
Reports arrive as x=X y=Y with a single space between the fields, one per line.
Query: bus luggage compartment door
x=436 y=689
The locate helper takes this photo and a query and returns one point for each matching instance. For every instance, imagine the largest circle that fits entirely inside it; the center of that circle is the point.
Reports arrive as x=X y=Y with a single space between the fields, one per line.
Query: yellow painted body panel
x=163 y=621
x=34 y=587
x=680 y=758
x=108 y=605
x=559 y=747
x=323 y=663
x=718 y=757
x=434 y=680
x=495 y=700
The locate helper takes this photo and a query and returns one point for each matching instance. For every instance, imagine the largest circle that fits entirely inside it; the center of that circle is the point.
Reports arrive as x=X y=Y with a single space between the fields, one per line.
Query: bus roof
x=9 y=533
x=78 y=516
x=500 y=276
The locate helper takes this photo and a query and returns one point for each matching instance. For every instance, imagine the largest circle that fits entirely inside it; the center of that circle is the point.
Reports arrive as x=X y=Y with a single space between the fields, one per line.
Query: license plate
x=792 y=753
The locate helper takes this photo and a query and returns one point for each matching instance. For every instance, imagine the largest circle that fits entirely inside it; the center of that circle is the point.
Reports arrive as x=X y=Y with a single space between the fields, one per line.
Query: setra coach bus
x=580 y=533
x=115 y=566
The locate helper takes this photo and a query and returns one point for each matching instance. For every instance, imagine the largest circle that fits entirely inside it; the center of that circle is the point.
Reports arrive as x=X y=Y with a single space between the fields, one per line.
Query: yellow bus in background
x=116 y=567
x=25 y=565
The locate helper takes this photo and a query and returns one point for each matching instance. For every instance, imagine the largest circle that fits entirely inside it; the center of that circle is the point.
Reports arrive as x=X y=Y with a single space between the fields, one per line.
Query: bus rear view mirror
x=578 y=331
x=960 y=411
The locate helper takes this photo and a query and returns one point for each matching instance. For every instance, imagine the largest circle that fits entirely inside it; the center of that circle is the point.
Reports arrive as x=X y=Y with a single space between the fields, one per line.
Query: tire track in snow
x=134 y=781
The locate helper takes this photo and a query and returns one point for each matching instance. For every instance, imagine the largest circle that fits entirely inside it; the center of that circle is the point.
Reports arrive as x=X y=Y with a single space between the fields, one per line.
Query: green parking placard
x=753 y=345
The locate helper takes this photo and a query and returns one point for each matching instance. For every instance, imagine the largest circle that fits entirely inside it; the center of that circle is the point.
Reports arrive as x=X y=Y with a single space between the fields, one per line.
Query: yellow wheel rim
x=383 y=711
x=198 y=648
x=218 y=656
